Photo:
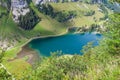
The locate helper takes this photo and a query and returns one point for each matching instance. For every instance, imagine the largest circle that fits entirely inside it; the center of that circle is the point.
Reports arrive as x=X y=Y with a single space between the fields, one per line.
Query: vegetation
x=64 y=16
x=6 y=4
x=95 y=27
x=89 y=13
x=105 y=11
x=60 y=16
x=80 y=8
x=113 y=37
x=4 y=7
x=115 y=1
x=3 y=11
x=4 y=75
x=101 y=62
x=28 y=21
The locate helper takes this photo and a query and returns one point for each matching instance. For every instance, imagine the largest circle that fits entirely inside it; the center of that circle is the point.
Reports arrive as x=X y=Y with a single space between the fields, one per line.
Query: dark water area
x=68 y=44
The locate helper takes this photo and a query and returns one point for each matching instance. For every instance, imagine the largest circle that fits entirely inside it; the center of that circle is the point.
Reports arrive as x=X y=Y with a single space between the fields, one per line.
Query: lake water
x=68 y=44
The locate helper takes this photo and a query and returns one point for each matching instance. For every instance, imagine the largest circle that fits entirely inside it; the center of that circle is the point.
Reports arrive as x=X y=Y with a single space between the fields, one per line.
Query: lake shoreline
x=32 y=53
x=27 y=47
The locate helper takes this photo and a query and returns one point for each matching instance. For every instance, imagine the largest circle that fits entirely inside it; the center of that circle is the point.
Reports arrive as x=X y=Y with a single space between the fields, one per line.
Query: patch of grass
x=17 y=67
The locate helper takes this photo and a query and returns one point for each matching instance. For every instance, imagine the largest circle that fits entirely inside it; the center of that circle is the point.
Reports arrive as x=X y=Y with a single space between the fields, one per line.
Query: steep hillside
x=13 y=34
x=80 y=9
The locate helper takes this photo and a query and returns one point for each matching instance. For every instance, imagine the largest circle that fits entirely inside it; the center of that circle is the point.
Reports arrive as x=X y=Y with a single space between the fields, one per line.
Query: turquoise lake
x=68 y=44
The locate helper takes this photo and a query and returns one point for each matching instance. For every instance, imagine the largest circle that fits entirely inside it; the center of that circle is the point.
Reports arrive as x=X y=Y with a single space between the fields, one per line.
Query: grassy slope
x=48 y=23
x=80 y=20
x=10 y=31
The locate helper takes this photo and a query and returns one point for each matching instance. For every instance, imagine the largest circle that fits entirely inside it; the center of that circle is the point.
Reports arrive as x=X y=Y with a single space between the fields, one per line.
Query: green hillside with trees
x=97 y=63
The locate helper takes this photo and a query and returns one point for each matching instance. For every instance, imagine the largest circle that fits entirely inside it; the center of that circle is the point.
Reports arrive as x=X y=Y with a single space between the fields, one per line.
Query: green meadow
x=80 y=8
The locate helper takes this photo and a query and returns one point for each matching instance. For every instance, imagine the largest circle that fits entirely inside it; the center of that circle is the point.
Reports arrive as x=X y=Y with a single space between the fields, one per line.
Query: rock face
x=18 y=3
x=19 y=7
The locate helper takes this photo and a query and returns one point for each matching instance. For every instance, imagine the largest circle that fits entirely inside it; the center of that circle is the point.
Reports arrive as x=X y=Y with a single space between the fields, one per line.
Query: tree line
x=5 y=6
x=6 y=3
x=28 y=21
x=89 y=13
x=63 y=16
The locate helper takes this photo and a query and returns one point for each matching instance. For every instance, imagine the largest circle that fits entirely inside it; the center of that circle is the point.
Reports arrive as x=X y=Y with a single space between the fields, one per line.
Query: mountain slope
x=12 y=35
